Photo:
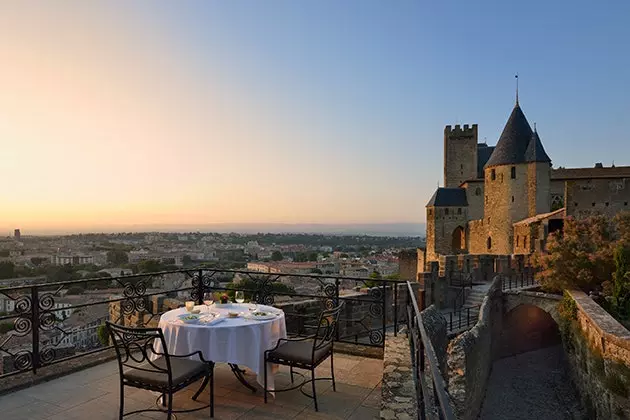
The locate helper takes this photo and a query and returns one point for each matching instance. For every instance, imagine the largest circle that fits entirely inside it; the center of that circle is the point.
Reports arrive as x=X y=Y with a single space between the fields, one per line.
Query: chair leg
x=265 y=381
x=170 y=406
x=291 y=369
x=332 y=372
x=212 y=393
x=203 y=386
x=313 y=386
x=122 y=401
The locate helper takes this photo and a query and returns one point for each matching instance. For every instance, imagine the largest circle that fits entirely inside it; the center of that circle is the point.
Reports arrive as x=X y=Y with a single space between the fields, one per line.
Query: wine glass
x=190 y=305
x=208 y=300
x=239 y=297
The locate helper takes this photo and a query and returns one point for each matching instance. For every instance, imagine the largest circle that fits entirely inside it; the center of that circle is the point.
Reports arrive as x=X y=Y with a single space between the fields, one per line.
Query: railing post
x=337 y=304
x=450 y=316
x=384 y=311
x=35 y=327
x=200 y=290
x=395 y=286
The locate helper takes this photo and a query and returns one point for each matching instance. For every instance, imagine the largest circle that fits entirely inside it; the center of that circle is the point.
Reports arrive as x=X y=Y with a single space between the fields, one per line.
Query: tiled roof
x=513 y=142
x=539 y=217
x=587 y=173
x=483 y=154
x=448 y=197
x=535 y=151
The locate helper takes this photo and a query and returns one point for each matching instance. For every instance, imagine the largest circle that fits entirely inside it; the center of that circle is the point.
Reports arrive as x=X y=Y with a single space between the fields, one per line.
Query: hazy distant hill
x=373 y=229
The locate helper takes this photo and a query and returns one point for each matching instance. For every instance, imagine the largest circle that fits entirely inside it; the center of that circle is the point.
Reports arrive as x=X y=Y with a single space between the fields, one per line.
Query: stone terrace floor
x=93 y=394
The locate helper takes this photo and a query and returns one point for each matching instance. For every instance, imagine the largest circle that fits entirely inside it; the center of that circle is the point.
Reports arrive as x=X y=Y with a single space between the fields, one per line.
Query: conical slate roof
x=448 y=197
x=512 y=144
x=535 y=151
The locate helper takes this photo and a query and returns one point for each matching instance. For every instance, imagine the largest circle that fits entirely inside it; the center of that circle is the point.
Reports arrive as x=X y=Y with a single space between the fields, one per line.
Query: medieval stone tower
x=460 y=155
x=516 y=182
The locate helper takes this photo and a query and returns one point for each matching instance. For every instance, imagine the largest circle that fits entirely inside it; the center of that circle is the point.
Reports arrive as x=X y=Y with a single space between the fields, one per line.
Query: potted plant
x=224 y=298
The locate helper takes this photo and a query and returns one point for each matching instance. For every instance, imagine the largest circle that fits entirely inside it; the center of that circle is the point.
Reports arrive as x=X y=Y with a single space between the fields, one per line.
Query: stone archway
x=527 y=327
x=458 y=240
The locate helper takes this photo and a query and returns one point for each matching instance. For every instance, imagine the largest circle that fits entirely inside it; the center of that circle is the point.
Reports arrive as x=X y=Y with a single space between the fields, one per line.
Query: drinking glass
x=190 y=305
x=208 y=300
x=239 y=297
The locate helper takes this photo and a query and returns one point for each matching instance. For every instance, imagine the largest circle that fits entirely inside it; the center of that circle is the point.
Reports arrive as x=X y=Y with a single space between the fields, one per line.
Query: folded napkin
x=210 y=320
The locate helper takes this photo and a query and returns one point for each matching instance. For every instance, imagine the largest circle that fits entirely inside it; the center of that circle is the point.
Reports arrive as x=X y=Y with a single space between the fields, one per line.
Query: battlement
x=459 y=132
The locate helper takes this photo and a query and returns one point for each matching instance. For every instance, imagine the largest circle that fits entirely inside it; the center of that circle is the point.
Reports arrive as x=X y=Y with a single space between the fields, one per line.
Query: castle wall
x=524 y=238
x=441 y=223
x=505 y=203
x=477 y=235
x=538 y=188
x=587 y=197
x=460 y=155
x=556 y=192
x=474 y=195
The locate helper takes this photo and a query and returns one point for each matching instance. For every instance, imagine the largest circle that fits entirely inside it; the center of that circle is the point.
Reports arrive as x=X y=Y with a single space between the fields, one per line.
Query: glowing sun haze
x=117 y=113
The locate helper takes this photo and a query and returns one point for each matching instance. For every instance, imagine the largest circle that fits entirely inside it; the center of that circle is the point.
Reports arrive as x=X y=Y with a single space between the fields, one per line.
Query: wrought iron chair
x=307 y=352
x=166 y=373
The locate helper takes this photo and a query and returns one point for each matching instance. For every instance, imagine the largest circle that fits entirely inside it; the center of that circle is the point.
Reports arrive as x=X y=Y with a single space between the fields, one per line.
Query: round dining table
x=239 y=341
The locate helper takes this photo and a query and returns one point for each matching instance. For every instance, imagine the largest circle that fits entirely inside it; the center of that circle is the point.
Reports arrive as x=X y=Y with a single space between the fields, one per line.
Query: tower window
x=486 y=199
x=429 y=212
x=606 y=204
x=489 y=243
x=513 y=172
x=493 y=174
x=592 y=204
x=446 y=211
x=461 y=166
x=512 y=199
x=459 y=210
x=625 y=203
x=478 y=191
x=518 y=240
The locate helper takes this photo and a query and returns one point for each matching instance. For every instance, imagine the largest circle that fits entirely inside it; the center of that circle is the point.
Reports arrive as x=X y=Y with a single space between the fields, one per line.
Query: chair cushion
x=300 y=352
x=181 y=369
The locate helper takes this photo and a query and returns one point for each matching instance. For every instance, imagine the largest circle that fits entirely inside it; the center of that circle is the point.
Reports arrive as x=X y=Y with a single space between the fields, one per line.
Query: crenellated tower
x=460 y=155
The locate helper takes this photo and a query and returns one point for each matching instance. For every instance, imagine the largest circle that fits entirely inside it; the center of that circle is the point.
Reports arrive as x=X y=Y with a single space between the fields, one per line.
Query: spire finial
x=516 y=77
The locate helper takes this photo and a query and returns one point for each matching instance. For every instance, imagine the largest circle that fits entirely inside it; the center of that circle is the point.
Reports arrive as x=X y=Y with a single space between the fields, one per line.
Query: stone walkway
x=93 y=394
x=533 y=385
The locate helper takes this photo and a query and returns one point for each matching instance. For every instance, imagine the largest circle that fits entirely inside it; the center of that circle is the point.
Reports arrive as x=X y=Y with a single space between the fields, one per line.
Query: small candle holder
x=190 y=305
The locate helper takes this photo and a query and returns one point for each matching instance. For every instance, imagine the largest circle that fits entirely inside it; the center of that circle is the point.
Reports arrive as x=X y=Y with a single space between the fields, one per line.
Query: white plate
x=269 y=315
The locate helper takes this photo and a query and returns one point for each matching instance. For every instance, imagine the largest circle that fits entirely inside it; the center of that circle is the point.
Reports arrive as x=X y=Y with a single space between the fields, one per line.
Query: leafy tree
x=117 y=257
x=301 y=257
x=150 y=266
x=316 y=271
x=276 y=256
x=312 y=256
x=375 y=275
x=103 y=335
x=187 y=260
x=7 y=270
x=344 y=255
x=582 y=257
x=395 y=276
x=621 y=285
x=39 y=260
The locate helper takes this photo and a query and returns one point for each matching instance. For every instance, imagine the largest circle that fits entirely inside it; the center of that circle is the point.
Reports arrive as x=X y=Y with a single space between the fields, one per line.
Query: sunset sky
x=117 y=113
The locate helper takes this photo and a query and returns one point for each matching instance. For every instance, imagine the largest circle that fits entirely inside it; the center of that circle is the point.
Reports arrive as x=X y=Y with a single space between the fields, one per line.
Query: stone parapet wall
x=598 y=347
x=398 y=392
x=470 y=356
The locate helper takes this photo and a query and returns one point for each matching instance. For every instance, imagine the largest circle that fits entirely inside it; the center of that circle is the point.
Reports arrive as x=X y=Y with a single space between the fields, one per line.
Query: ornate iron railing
x=426 y=369
x=44 y=324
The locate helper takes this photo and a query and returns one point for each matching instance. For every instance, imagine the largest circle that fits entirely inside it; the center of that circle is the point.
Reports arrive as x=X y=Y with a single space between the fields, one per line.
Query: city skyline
x=278 y=112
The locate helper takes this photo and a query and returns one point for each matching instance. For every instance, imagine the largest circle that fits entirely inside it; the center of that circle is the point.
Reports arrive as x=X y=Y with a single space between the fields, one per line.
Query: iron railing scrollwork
x=39 y=335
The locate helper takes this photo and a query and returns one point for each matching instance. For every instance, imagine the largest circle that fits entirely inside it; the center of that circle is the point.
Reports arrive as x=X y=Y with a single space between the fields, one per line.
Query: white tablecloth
x=233 y=340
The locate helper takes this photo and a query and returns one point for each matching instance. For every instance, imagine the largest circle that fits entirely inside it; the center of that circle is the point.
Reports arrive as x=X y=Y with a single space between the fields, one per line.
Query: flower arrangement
x=224 y=298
